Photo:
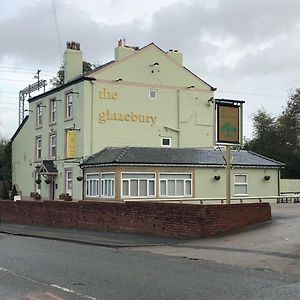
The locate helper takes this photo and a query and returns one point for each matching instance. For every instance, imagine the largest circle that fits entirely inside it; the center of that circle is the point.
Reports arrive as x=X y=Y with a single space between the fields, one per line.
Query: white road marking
x=52 y=285
x=72 y=292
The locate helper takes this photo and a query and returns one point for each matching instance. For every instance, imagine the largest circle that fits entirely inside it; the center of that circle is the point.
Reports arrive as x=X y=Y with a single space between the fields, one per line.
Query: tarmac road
x=43 y=269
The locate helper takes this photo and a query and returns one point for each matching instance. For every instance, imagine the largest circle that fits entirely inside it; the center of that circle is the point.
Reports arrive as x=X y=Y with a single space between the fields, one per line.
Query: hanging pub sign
x=229 y=121
x=71 y=144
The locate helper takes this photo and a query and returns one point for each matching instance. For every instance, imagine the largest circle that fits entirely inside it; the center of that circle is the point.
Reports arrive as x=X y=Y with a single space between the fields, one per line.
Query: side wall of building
x=207 y=186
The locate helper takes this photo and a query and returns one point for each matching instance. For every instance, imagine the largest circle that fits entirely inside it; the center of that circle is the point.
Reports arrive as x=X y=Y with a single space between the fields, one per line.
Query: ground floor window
x=138 y=184
x=92 y=185
x=240 y=184
x=107 y=185
x=175 y=185
x=69 y=177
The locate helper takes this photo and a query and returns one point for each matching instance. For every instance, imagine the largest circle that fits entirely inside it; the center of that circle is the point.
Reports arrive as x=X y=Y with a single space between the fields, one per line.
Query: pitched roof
x=19 y=128
x=176 y=156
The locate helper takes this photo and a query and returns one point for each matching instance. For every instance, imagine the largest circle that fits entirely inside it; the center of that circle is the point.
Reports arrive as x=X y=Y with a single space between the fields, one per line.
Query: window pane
x=133 y=187
x=138 y=175
x=92 y=176
x=171 y=188
x=241 y=189
x=240 y=178
x=113 y=188
x=125 y=188
x=188 y=187
x=143 y=188
x=179 y=188
x=163 y=188
x=176 y=176
x=108 y=176
x=151 y=188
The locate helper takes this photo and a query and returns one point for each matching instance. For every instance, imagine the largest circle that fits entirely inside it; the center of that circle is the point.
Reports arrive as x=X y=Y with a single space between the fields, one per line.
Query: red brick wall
x=186 y=220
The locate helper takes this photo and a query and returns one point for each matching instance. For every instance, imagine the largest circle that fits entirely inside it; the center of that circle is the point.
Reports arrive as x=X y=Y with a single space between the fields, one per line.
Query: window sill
x=68 y=119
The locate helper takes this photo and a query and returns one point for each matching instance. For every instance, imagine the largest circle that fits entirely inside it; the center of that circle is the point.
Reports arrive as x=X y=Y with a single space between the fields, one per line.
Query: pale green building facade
x=144 y=97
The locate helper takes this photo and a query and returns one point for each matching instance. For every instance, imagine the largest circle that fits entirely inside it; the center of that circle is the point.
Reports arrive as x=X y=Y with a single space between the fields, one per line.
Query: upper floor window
x=240 y=184
x=52 y=111
x=52 y=149
x=69 y=106
x=166 y=142
x=38 y=147
x=153 y=94
x=39 y=115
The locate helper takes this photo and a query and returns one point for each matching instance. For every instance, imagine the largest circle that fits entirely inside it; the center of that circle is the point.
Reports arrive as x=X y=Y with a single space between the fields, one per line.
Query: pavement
x=270 y=246
x=89 y=237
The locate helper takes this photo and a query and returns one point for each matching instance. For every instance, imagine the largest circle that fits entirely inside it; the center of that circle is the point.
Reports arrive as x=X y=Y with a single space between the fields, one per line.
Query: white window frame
x=166 y=138
x=107 y=183
x=52 y=146
x=153 y=91
x=185 y=195
x=53 y=111
x=67 y=181
x=69 y=106
x=39 y=115
x=138 y=179
x=38 y=147
x=89 y=186
x=241 y=184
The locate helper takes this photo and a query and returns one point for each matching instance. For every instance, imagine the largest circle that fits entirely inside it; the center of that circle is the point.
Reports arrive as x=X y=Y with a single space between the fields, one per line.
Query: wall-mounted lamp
x=217 y=177
x=118 y=80
x=190 y=87
x=267 y=177
x=79 y=178
x=210 y=101
x=73 y=128
x=41 y=105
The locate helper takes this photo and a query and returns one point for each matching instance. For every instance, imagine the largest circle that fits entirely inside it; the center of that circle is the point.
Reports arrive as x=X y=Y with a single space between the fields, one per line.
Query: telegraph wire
x=57 y=29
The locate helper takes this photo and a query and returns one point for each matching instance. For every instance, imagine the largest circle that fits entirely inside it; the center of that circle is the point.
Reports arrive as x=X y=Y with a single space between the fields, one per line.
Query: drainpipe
x=178 y=117
x=92 y=117
x=83 y=184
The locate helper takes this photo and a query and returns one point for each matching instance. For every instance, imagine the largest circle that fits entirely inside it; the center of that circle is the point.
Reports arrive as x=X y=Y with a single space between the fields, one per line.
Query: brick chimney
x=72 y=61
x=122 y=50
x=176 y=55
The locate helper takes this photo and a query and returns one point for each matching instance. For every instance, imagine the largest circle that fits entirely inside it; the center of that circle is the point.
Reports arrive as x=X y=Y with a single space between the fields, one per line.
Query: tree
x=59 y=78
x=278 y=138
x=5 y=166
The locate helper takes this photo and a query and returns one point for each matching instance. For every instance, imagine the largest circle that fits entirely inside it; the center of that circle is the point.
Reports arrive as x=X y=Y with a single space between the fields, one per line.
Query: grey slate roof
x=176 y=156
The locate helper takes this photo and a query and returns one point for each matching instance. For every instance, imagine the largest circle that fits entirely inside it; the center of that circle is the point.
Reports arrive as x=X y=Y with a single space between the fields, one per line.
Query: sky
x=248 y=50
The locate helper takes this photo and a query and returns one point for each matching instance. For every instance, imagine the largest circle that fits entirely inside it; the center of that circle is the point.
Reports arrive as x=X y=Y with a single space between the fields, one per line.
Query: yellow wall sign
x=71 y=144
x=107 y=94
x=228 y=124
x=108 y=115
